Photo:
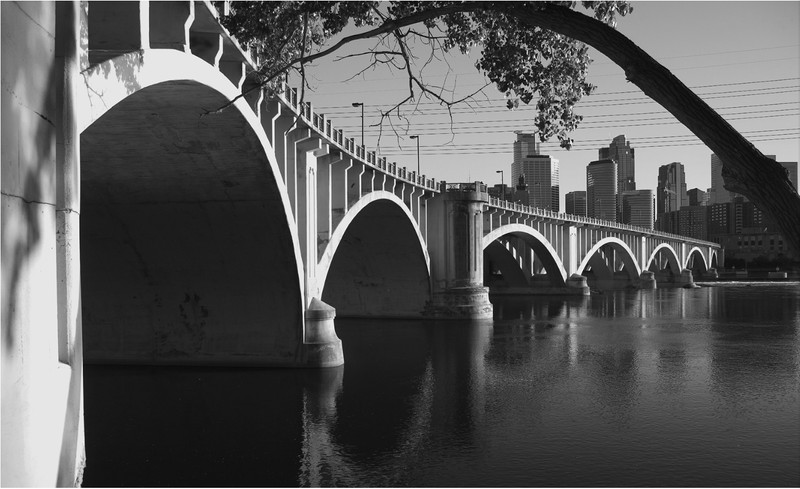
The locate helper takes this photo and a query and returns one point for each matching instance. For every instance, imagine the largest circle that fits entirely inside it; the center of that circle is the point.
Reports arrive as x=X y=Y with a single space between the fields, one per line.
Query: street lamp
x=502 y=183
x=361 y=104
x=417 y=138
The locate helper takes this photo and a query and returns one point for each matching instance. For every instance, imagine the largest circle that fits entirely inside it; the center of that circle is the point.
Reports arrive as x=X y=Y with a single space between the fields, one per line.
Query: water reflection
x=685 y=387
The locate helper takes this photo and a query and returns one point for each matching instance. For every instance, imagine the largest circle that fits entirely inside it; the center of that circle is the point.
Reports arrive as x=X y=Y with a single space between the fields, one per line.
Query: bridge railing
x=546 y=213
x=321 y=124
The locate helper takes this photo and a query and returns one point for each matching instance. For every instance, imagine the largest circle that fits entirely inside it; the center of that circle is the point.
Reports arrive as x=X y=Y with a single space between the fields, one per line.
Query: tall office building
x=526 y=144
x=697 y=197
x=671 y=193
x=638 y=208
x=693 y=221
x=791 y=167
x=601 y=189
x=576 y=203
x=541 y=173
x=620 y=151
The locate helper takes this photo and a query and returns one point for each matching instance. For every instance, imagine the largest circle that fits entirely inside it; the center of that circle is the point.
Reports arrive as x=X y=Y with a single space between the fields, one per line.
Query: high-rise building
x=526 y=144
x=638 y=208
x=620 y=151
x=541 y=173
x=601 y=189
x=671 y=193
x=697 y=197
x=693 y=221
x=791 y=167
x=576 y=203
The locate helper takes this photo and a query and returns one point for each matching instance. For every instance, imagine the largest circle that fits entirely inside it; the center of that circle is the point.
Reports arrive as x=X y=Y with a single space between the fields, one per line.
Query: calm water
x=671 y=387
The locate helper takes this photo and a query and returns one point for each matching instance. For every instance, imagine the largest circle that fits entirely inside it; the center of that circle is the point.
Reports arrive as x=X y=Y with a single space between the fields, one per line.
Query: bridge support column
x=456 y=250
x=321 y=347
x=647 y=280
x=578 y=283
x=686 y=280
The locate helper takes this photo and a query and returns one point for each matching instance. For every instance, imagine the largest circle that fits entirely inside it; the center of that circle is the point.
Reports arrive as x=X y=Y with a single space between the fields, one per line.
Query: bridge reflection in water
x=684 y=386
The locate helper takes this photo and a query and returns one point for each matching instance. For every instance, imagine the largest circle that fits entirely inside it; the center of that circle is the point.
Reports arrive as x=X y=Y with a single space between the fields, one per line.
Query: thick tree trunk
x=745 y=169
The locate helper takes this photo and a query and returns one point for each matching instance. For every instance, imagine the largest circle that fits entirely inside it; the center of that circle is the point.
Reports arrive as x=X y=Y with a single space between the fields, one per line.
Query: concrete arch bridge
x=158 y=211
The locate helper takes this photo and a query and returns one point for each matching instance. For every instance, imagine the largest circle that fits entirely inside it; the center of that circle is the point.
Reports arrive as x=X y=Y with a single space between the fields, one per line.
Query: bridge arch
x=189 y=253
x=593 y=258
x=376 y=263
x=541 y=247
x=714 y=259
x=695 y=264
x=673 y=261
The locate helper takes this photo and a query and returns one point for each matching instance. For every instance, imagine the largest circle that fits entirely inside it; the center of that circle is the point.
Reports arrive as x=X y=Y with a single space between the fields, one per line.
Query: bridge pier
x=455 y=239
x=686 y=280
x=647 y=280
x=321 y=347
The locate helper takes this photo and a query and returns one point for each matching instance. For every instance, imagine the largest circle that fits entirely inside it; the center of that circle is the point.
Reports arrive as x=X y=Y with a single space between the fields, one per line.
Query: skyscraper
x=791 y=167
x=671 y=195
x=526 y=144
x=697 y=197
x=541 y=173
x=620 y=151
x=638 y=208
x=601 y=189
x=671 y=192
x=575 y=203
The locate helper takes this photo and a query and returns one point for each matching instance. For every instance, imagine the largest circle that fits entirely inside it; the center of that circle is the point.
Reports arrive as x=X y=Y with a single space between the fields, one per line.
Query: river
x=666 y=387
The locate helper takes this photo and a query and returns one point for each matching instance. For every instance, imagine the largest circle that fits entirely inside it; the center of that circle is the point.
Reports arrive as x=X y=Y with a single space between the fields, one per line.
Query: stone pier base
x=460 y=303
x=579 y=284
x=321 y=348
x=686 y=280
x=647 y=280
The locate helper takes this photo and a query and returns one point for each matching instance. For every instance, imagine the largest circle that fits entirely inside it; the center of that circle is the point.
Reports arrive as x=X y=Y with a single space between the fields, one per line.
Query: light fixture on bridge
x=417 y=138
x=361 y=104
x=502 y=183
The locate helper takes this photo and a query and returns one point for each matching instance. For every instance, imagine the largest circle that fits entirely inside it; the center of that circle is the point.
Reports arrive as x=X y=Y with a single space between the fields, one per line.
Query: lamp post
x=361 y=104
x=417 y=138
x=502 y=183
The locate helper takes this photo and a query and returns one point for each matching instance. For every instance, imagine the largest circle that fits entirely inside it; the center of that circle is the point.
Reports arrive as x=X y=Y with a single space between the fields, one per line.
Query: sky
x=742 y=58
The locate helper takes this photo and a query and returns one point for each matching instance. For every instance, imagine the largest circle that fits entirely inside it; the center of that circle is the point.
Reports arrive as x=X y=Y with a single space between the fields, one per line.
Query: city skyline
x=742 y=54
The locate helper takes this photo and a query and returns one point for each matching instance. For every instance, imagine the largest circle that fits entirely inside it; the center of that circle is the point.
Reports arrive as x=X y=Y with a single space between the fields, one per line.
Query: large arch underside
x=379 y=267
x=187 y=254
x=610 y=264
x=664 y=264
x=504 y=268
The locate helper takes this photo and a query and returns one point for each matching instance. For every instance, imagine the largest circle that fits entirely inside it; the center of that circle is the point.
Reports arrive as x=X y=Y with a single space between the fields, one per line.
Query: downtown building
x=623 y=154
x=540 y=173
x=601 y=190
x=575 y=203
x=638 y=208
x=671 y=195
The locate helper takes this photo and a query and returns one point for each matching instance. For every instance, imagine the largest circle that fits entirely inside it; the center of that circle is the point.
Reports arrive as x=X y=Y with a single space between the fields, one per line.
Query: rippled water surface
x=670 y=387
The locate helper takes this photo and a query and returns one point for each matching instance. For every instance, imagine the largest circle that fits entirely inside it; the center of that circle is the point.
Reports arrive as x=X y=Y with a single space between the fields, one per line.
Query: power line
x=587 y=103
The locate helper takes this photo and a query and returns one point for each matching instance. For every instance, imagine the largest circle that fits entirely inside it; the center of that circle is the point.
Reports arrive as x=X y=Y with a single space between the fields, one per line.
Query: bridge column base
x=687 y=280
x=647 y=280
x=321 y=348
x=579 y=284
x=460 y=303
